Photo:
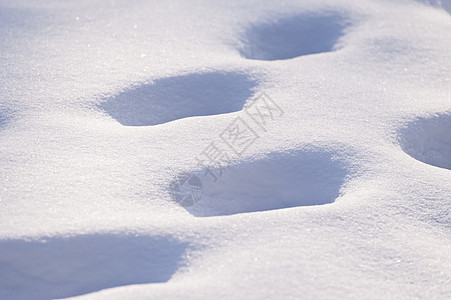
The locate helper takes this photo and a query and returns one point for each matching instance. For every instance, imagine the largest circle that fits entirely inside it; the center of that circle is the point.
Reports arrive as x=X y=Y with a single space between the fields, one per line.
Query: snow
x=207 y=94
x=278 y=180
x=111 y=110
x=428 y=140
x=303 y=34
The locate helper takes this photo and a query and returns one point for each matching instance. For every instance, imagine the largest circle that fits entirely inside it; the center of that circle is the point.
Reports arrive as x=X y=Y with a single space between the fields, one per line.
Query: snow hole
x=293 y=36
x=173 y=98
x=279 y=180
x=429 y=140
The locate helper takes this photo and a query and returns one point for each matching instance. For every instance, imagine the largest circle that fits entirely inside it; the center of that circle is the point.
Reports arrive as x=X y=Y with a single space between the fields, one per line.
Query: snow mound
x=278 y=180
x=64 y=267
x=294 y=36
x=429 y=140
x=172 y=98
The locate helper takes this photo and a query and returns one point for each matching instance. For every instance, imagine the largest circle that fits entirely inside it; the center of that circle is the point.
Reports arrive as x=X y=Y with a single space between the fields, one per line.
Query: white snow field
x=225 y=149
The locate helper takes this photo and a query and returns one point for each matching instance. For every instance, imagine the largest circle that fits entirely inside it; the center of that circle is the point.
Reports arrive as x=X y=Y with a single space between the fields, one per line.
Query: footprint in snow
x=428 y=140
x=294 y=36
x=276 y=181
x=173 y=98
x=65 y=267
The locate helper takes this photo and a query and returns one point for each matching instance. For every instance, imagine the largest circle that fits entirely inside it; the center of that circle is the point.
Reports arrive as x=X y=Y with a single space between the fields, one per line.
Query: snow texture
x=225 y=149
x=169 y=99
x=62 y=267
x=279 y=180
x=287 y=38
x=429 y=140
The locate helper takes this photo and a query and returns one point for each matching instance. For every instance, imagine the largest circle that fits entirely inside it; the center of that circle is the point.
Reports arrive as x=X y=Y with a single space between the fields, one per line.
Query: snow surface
x=345 y=193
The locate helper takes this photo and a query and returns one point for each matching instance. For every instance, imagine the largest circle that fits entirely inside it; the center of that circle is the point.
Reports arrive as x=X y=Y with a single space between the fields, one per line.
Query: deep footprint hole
x=286 y=38
x=65 y=267
x=428 y=140
x=277 y=181
x=173 y=98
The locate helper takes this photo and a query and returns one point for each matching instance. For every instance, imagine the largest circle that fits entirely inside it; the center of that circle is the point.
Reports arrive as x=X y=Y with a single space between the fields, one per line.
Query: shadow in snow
x=172 y=98
x=279 y=180
x=293 y=36
x=4 y=116
x=64 y=267
x=428 y=140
